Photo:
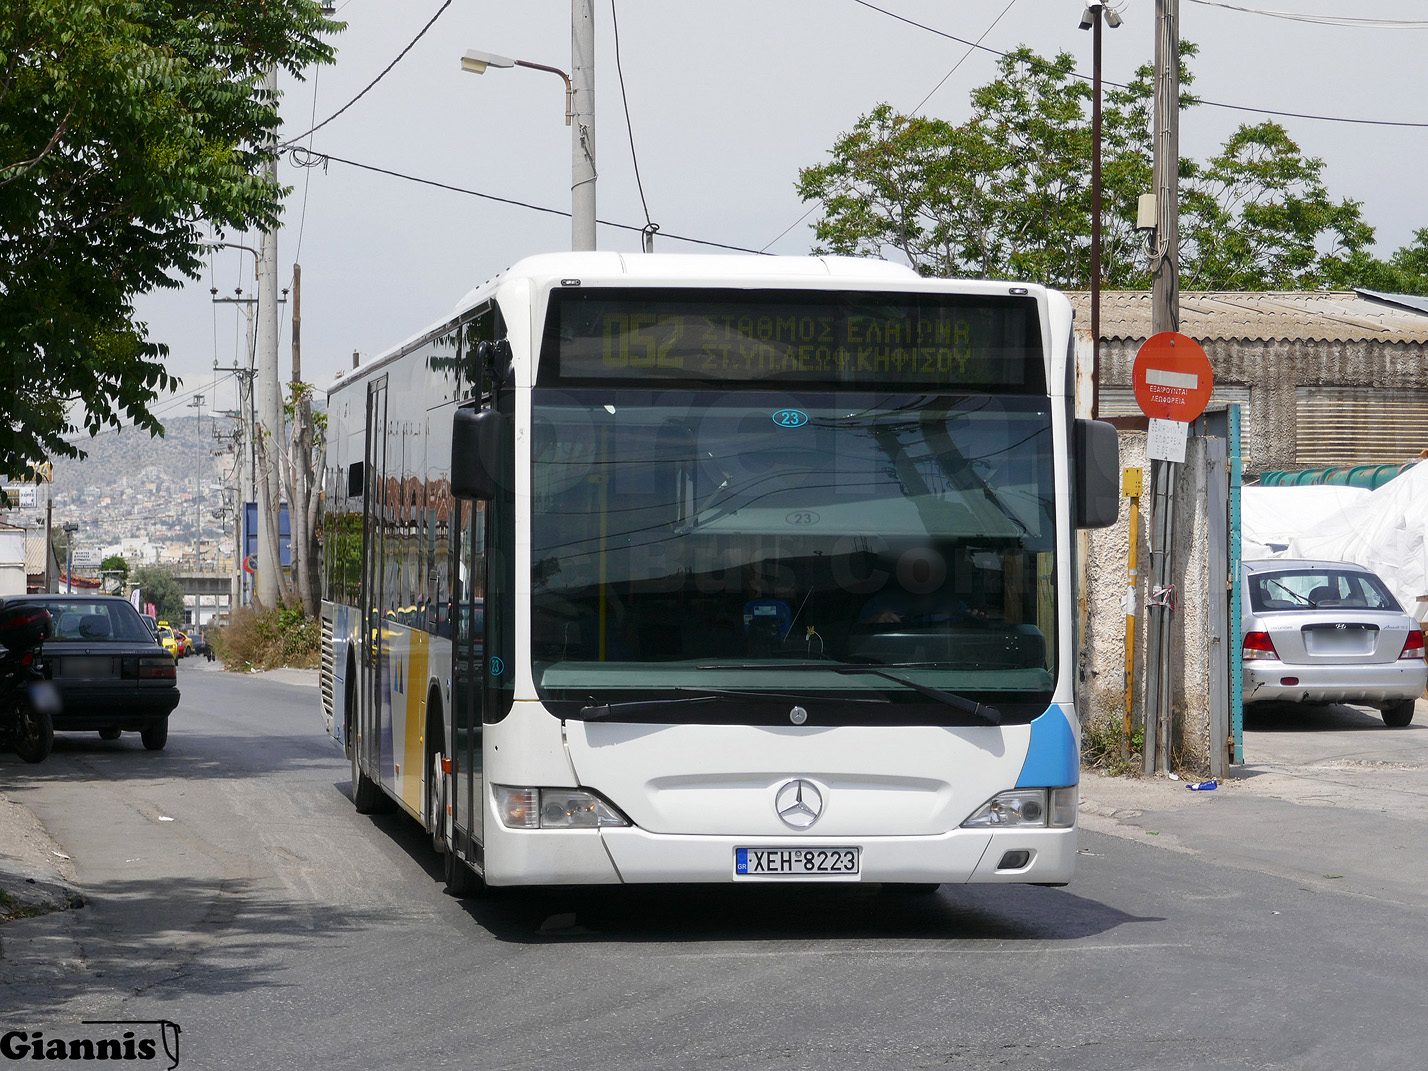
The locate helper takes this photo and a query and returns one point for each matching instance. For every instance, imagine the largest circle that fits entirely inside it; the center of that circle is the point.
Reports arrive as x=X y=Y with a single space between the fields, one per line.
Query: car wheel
x=155 y=735
x=109 y=734
x=1397 y=717
x=36 y=737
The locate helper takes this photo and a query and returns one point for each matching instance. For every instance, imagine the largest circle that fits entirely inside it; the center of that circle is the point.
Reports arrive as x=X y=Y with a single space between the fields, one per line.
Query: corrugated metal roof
x=1301 y=316
x=35 y=551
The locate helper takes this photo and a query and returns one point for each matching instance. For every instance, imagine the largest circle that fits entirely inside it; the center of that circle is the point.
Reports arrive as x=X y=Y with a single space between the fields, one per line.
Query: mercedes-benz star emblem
x=799 y=803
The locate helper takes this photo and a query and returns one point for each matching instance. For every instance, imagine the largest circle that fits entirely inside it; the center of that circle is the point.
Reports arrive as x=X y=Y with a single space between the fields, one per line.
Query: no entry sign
x=1172 y=378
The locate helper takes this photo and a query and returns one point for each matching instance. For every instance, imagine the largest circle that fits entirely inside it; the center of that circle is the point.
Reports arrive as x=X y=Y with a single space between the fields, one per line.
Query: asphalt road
x=233 y=890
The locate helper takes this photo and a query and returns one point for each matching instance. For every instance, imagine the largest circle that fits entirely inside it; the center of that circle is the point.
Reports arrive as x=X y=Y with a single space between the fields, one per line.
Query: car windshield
x=100 y=621
x=693 y=545
x=1318 y=589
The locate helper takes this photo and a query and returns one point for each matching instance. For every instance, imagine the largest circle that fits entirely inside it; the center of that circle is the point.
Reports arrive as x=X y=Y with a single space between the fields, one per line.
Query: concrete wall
x=1104 y=584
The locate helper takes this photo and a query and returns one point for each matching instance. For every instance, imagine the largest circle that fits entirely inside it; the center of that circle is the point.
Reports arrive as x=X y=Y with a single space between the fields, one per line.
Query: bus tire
x=367 y=795
x=435 y=803
x=461 y=880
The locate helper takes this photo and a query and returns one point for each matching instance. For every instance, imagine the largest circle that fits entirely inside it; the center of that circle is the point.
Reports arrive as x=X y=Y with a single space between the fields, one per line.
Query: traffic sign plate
x=1172 y=379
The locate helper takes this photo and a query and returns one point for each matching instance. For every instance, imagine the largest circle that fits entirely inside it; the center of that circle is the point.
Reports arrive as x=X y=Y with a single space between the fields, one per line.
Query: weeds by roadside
x=12 y=909
x=1102 y=742
x=274 y=639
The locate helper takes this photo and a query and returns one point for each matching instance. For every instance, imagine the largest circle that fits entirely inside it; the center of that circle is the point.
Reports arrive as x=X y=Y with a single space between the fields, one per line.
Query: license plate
x=91 y=667
x=797 y=862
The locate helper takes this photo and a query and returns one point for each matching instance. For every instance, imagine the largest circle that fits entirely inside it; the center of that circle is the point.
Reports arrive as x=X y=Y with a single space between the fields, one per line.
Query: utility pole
x=1165 y=316
x=1165 y=264
x=268 y=584
x=197 y=405
x=582 y=127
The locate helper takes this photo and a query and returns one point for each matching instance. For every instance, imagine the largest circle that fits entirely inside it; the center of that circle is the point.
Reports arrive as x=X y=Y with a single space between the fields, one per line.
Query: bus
x=720 y=569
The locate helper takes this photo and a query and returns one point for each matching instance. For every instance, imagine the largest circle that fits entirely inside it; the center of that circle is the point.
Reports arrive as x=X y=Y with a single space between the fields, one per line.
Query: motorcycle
x=28 y=702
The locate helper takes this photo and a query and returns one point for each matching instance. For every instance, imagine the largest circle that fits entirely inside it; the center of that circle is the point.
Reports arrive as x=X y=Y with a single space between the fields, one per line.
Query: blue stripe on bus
x=1051 y=759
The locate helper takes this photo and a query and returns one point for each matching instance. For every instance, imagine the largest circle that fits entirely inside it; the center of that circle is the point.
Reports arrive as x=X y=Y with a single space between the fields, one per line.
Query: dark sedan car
x=112 y=675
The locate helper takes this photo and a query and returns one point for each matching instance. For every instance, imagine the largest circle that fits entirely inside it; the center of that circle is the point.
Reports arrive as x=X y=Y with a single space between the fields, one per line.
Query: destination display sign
x=879 y=339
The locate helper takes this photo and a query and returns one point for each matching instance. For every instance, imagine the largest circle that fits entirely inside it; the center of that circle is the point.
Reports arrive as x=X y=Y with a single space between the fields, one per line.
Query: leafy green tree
x=115 y=564
x=124 y=125
x=1258 y=217
x=158 y=586
x=1007 y=193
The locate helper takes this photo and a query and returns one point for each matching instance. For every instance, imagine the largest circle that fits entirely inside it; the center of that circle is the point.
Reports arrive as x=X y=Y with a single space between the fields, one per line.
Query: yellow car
x=169 y=640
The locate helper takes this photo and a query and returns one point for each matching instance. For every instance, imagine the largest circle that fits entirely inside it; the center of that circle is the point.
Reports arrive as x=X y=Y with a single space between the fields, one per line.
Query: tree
x=123 y=127
x=1007 y=193
x=118 y=568
x=1258 y=217
x=158 y=586
x=305 y=460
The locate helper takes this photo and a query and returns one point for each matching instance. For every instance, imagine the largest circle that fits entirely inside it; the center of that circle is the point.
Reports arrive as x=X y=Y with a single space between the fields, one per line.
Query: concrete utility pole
x=582 y=127
x=1165 y=316
x=269 y=435
x=1165 y=263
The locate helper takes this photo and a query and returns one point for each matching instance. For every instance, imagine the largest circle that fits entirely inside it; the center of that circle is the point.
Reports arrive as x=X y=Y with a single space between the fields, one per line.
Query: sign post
x=1172 y=381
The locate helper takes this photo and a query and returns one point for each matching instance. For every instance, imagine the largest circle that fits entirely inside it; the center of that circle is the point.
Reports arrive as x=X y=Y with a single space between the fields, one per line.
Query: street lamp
x=1091 y=20
x=69 y=531
x=582 y=184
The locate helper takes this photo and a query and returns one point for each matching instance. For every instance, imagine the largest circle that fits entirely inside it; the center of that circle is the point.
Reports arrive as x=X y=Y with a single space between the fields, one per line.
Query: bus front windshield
x=741 y=556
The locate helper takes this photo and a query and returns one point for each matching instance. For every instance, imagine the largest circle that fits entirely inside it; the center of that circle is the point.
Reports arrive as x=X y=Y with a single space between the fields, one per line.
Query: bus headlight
x=554 y=808
x=1046 y=807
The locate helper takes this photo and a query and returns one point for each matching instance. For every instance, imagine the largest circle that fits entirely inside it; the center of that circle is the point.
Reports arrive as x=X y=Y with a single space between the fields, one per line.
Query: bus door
x=374 y=545
x=469 y=671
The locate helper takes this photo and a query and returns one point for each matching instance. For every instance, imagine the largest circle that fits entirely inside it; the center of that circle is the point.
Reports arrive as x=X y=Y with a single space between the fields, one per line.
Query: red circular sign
x=1172 y=378
x=250 y=563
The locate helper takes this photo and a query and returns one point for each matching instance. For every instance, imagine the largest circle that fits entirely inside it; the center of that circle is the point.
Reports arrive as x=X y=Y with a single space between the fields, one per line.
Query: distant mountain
x=119 y=458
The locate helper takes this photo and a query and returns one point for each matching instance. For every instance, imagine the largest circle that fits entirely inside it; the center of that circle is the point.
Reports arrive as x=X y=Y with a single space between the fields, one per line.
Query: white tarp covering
x=1270 y=517
x=1382 y=530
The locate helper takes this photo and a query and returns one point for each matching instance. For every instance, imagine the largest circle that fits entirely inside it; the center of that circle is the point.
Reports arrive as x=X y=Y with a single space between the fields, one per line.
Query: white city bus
x=717 y=569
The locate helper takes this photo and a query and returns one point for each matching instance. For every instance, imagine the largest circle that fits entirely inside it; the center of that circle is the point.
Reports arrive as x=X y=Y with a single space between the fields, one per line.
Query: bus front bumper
x=633 y=856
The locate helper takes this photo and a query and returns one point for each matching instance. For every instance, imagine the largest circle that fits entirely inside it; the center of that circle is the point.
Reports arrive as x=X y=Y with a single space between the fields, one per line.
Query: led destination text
x=925 y=342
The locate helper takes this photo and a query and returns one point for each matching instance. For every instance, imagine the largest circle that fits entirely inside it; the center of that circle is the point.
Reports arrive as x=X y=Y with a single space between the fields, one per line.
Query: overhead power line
x=1347 y=21
x=309 y=158
x=1198 y=100
x=373 y=82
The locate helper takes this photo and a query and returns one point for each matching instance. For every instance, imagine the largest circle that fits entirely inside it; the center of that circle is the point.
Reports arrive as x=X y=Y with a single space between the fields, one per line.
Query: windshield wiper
x=596 y=712
x=989 y=714
x=1293 y=594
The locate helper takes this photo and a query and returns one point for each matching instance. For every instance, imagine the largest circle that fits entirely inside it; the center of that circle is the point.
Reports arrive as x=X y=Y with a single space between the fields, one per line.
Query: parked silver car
x=1328 y=632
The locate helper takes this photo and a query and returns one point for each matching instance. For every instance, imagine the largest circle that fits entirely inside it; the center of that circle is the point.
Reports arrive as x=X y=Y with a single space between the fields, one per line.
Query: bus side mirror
x=1096 y=454
x=475 y=453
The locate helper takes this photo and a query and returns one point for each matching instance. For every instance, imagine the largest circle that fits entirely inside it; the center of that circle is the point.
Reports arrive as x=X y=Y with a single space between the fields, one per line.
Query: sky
x=724 y=103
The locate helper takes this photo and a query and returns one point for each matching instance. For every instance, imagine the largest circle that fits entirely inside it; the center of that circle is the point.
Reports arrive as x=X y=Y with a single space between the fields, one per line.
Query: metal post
x=582 y=128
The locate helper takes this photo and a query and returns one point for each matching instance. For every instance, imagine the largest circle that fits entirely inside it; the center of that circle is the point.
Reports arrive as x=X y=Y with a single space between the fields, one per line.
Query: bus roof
x=544 y=270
